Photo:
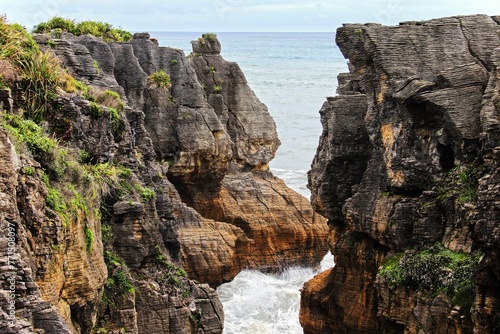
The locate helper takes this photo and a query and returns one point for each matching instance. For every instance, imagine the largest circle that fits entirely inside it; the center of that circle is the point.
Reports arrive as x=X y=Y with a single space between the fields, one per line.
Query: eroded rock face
x=417 y=106
x=24 y=258
x=191 y=188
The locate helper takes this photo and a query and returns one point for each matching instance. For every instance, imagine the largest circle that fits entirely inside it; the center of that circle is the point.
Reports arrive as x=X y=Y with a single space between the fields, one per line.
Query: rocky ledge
x=407 y=173
x=152 y=189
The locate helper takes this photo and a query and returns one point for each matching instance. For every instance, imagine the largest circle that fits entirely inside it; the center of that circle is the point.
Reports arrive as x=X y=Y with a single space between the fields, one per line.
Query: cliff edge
x=407 y=173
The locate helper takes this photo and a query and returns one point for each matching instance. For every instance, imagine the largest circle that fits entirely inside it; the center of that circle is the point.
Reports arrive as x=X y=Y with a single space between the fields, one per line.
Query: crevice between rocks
x=471 y=51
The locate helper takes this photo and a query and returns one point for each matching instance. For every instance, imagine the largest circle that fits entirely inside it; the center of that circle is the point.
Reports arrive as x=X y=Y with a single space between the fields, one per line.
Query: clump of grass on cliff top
x=103 y=30
x=41 y=74
x=15 y=42
x=207 y=37
x=434 y=269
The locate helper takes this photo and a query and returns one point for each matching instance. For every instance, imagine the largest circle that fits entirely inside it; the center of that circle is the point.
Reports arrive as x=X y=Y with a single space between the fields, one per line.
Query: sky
x=240 y=15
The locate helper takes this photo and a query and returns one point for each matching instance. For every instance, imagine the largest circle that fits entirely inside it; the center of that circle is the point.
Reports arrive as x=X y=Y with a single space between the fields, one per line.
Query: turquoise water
x=292 y=73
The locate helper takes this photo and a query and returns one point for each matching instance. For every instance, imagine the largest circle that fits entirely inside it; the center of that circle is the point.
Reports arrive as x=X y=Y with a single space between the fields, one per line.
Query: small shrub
x=468 y=185
x=29 y=133
x=81 y=87
x=173 y=62
x=96 y=66
x=111 y=99
x=160 y=258
x=69 y=83
x=58 y=32
x=95 y=110
x=180 y=272
x=113 y=260
x=78 y=203
x=102 y=29
x=15 y=42
x=114 y=116
x=42 y=76
x=124 y=172
x=391 y=271
x=55 y=23
x=122 y=283
x=217 y=89
x=209 y=36
x=89 y=238
x=40 y=72
x=55 y=200
x=101 y=177
x=160 y=79
x=145 y=193
x=106 y=233
x=83 y=156
x=118 y=283
x=29 y=171
x=461 y=185
x=435 y=269
x=51 y=44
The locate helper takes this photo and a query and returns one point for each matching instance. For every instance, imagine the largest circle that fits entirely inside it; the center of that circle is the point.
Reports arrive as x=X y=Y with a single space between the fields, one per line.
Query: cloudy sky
x=240 y=15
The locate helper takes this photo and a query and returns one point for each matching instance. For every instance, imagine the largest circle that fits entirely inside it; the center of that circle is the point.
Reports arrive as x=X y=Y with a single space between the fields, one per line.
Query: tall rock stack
x=407 y=164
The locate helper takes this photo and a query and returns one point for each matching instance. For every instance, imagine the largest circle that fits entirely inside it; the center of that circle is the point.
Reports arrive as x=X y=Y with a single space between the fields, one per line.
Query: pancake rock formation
x=151 y=188
x=407 y=173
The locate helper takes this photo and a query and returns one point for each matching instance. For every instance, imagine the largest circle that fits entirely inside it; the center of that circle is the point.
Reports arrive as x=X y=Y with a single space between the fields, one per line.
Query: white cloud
x=241 y=15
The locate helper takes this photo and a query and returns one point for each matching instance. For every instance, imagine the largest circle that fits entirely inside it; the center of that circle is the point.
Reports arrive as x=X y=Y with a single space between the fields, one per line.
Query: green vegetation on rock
x=169 y=275
x=118 y=283
x=103 y=30
x=41 y=73
x=89 y=238
x=436 y=269
x=159 y=79
x=209 y=37
x=460 y=184
x=145 y=193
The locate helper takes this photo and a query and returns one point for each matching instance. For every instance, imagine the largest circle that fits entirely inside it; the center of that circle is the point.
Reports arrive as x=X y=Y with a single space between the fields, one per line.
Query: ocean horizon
x=292 y=73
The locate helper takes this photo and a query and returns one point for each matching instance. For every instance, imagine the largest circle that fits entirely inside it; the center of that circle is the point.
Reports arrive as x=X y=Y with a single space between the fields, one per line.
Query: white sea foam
x=266 y=304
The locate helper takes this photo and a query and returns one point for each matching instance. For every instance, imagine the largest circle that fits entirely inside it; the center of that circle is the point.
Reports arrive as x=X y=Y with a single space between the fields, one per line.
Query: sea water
x=257 y=303
x=292 y=73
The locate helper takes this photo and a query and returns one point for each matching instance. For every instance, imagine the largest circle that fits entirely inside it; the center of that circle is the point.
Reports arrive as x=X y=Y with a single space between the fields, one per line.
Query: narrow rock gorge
x=407 y=173
x=140 y=184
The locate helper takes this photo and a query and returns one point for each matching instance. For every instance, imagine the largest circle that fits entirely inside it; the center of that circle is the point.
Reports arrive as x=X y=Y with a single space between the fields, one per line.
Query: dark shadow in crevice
x=407 y=192
x=446 y=157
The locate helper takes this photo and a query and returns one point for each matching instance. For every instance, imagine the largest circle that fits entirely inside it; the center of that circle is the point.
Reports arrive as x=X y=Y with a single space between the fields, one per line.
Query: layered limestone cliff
x=139 y=183
x=407 y=173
